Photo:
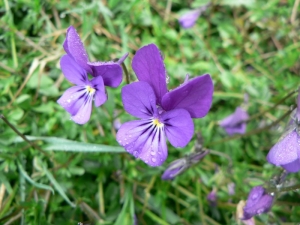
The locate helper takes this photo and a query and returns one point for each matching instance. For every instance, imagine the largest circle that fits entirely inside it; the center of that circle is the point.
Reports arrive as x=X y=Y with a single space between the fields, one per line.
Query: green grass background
x=249 y=46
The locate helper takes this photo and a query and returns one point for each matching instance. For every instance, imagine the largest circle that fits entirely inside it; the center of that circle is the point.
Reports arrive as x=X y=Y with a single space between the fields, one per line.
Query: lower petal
x=144 y=140
x=100 y=95
x=285 y=151
x=292 y=167
x=179 y=127
x=84 y=113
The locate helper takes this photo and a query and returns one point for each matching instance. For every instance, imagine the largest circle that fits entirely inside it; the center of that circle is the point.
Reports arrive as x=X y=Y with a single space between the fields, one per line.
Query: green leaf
x=61 y=144
x=38 y=185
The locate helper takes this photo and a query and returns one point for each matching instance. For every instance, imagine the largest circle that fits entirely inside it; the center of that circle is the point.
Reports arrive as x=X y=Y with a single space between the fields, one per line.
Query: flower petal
x=84 y=113
x=144 y=140
x=189 y=19
x=234 y=119
x=100 y=94
x=175 y=168
x=179 y=127
x=254 y=196
x=111 y=72
x=286 y=150
x=123 y=57
x=72 y=99
x=72 y=71
x=195 y=96
x=148 y=66
x=139 y=100
x=292 y=167
x=74 y=47
x=238 y=129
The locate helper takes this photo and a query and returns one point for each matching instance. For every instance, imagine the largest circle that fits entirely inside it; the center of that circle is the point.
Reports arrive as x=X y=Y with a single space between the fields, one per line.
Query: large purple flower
x=259 y=201
x=286 y=152
x=236 y=122
x=162 y=113
x=111 y=72
x=77 y=100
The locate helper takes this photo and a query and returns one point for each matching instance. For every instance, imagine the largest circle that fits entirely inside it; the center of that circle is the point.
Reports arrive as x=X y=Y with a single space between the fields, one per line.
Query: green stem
x=126 y=73
x=23 y=136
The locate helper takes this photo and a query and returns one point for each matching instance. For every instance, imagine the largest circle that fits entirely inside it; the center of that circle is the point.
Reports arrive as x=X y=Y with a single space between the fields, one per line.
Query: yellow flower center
x=90 y=90
x=157 y=123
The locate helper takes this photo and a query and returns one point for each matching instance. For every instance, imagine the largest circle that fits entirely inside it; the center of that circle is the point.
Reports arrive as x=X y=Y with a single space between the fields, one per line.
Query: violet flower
x=235 y=123
x=189 y=19
x=286 y=152
x=259 y=201
x=180 y=165
x=212 y=197
x=162 y=113
x=77 y=100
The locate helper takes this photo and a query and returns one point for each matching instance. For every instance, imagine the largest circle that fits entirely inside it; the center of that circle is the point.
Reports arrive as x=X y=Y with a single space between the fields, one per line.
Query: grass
x=84 y=175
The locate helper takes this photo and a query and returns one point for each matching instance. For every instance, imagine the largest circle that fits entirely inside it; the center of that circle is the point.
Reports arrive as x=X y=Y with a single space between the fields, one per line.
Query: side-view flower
x=286 y=152
x=235 y=123
x=75 y=65
x=259 y=201
x=163 y=113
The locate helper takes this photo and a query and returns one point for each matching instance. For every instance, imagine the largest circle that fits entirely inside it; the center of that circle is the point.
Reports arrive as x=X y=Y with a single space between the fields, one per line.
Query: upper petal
x=110 y=72
x=74 y=47
x=144 y=140
x=148 y=66
x=123 y=57
x=72 y=71
x=179 y=127
x=195 y=96
x=100 y=95
x=189 y=19
x=286 y=150
x=139 y=100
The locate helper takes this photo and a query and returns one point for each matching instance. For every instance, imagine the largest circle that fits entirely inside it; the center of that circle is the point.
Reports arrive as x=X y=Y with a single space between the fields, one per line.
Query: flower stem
x=23 y=136
x=126 y=73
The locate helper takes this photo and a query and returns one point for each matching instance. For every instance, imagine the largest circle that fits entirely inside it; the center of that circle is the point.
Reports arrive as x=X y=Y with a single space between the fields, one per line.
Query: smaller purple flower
x=286 y=152
x=236 y=122
x=259 y=201
x=212 y=197
x=189 y=19
x=180 y=165
x=175 y=168
x=77 y=100
x=75 y=65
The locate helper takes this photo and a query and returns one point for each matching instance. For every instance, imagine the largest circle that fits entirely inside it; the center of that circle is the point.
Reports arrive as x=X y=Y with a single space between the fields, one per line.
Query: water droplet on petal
x=154 y=160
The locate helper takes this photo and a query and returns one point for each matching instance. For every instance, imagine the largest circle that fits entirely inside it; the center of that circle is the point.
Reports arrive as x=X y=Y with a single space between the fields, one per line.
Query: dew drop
x=135 y=153
x=152 y=152
x=154 y=160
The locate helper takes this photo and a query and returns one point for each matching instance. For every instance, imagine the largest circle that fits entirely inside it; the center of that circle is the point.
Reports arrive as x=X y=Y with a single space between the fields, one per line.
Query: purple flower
x=162 y=113
x=259 y=201
x=77 y=100
x=235 y=123
x=189 y=19
x=111 y=72
x=286 y=152
x=212 y=197
x=175 y=168
x=180 y=165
